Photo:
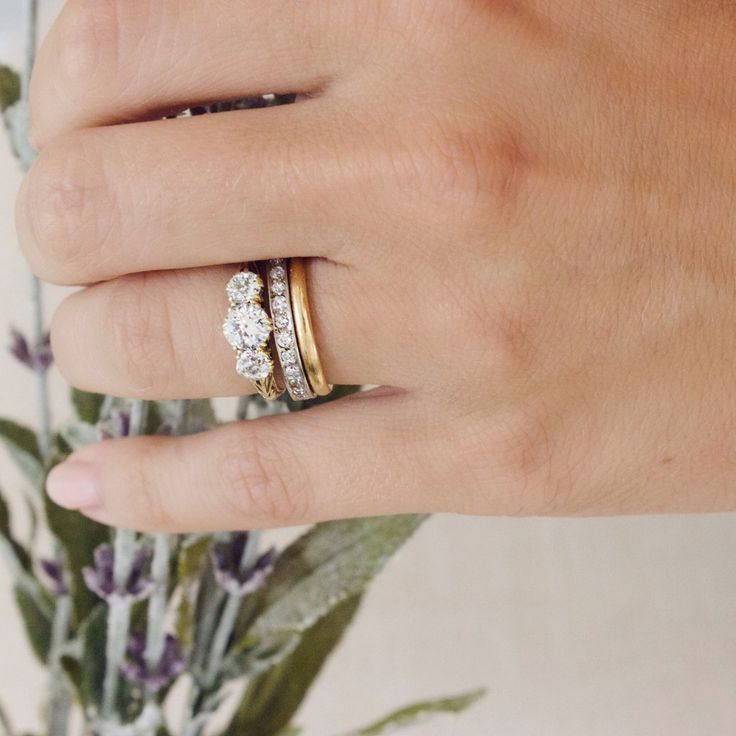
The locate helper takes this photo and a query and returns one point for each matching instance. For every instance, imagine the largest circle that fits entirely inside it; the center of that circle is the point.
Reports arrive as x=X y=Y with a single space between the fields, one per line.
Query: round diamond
x=278 y=272
x=284 y=340
x=292 y=371
x=281 y=321
x=246 y=326
x=278 y=287
x=244 y=287
x=254 y=365
x=288 y=357
x=280 y=304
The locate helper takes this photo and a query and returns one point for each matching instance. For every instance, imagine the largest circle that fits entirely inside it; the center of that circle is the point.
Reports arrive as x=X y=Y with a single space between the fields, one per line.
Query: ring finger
x=158 y=335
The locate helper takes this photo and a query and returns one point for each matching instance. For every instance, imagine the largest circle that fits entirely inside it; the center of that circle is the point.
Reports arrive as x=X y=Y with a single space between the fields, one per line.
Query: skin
x=521 y=223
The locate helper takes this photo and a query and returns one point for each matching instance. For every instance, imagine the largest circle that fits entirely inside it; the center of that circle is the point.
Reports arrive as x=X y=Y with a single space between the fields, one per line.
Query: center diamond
x=246 y=326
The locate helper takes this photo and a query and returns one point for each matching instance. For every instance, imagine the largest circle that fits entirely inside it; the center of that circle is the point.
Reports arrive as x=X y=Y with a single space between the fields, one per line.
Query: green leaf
x=84 y=661
x=22 y=445
x=193 y=556
x=5 y=724
x=21 y=553
x=87 y=405
x=273 y=698
x=9 y=87
x=418 y=713
x=78 y=536
x=330 y=563
x=36 y=620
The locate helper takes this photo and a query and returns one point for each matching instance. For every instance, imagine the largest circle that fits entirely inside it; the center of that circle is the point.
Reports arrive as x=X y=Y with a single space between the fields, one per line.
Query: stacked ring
x=305 y=329
x=247 y=327
x=287 y=344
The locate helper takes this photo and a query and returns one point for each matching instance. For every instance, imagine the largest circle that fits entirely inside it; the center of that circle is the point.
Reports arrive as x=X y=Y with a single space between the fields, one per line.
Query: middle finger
x=207 y=190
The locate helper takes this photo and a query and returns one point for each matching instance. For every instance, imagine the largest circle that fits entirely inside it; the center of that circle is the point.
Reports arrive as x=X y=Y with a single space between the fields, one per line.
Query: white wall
x=578 y=628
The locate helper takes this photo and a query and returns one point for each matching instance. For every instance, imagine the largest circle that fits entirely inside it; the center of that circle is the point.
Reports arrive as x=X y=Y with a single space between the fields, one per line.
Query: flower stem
x=156 y=624
x=229 y=615
x=59 y=697
x=60 y=700
x=118 y=626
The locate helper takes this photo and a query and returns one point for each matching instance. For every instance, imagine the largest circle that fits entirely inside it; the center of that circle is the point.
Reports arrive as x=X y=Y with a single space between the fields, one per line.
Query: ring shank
x=305 y=328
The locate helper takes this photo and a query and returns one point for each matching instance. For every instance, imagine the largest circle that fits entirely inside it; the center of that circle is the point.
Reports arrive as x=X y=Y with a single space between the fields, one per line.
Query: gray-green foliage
x=278 y=638
x=281 y=637
x=9 y=87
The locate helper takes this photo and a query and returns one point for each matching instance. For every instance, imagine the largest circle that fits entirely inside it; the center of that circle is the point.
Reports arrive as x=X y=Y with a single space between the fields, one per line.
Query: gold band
x=304 y=327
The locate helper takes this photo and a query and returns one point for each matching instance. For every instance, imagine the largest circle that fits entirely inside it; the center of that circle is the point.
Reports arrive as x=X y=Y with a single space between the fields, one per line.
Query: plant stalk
x=118 y=627
x=160 y=566
x=229 y=615
x=59 y=696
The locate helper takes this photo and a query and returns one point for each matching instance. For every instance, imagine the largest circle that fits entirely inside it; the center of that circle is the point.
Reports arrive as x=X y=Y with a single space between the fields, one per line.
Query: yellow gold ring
x=304 y=327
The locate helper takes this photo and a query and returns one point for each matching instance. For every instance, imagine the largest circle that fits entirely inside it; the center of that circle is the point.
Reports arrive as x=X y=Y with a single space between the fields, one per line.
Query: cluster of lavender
x=122 y=620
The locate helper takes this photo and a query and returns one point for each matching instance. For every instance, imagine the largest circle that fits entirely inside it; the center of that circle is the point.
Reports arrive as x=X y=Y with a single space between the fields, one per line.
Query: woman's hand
x=520 y=216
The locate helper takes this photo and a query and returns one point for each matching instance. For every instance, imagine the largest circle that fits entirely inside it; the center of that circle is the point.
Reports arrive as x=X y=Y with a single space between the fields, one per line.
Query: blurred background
x=605 y=627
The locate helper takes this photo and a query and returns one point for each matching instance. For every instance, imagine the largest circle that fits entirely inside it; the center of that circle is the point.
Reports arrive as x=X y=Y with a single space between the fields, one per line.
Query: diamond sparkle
x=244 y=287
x=246 y=326
x=254 y=365
x=278 y=272
x=284 y=340
x=280 y=304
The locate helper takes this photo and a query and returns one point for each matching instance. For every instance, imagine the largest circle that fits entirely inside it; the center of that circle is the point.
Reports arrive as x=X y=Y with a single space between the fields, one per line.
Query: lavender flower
x=37 y=358
x=118 y=425
x=100 y=578
x=231 y=575
x=136 y=671
x=55 y=573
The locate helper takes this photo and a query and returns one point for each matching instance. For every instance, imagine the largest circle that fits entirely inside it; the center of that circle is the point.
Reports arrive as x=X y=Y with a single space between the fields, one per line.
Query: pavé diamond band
x=247 y=327
x=287 y=344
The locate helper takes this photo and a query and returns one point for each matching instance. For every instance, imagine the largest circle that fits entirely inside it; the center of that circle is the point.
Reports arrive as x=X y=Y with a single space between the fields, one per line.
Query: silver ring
x=287 y=345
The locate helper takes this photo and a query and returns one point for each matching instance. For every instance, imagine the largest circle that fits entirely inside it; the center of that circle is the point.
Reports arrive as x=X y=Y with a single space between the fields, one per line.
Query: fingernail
x=73 y=485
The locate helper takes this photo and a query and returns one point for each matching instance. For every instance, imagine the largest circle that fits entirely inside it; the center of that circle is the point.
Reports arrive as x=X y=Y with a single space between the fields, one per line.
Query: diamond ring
x=247 y=327
x=287 y=344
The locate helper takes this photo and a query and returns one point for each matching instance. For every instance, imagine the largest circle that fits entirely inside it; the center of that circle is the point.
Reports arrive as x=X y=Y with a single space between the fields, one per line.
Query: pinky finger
x=339 y=460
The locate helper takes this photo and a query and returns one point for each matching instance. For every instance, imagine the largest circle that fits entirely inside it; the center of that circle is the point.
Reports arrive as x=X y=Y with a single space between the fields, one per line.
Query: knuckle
x=500 y=325
x=64 y=210
x=258 y=482
x=531 y=457
x=485 y=172
x=139 y=325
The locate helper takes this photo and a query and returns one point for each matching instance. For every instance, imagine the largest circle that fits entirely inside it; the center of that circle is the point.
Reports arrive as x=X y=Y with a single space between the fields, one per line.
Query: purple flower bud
x=100 y=579
x=118 y=425
x=55 y=573
x=231 y=575
x=19 y=348
x=136 y=671
x=37 y=359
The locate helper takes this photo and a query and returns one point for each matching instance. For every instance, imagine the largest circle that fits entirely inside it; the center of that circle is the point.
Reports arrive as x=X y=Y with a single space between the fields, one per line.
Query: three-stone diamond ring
x=269 y=326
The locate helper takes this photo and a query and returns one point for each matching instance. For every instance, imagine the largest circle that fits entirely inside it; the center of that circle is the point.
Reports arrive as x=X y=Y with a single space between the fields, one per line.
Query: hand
x=519 y=216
